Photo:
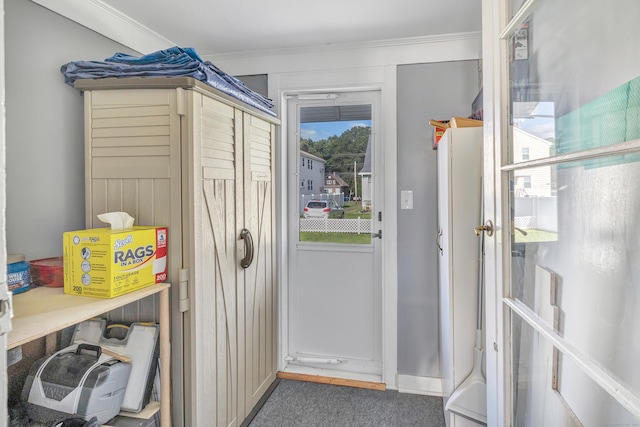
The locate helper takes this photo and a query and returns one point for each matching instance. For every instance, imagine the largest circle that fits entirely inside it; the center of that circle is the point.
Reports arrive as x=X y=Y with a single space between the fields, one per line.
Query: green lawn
x=534 y=235
x=335 y=237
x=354 y=210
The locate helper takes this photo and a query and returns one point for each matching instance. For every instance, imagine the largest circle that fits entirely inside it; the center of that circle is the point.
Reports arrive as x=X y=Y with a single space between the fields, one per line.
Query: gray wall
x=425 y=91
x=257 y=82
x=44 y=127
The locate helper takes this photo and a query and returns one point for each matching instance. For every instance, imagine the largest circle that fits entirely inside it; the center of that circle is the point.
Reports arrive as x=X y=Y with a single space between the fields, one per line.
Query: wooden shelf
x=42 y=311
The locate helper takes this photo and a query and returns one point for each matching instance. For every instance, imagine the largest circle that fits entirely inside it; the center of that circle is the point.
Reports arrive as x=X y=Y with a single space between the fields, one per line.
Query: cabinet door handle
x=248 y=248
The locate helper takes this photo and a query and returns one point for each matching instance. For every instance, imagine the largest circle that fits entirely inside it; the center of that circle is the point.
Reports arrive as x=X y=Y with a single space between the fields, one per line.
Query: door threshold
x=321 y=379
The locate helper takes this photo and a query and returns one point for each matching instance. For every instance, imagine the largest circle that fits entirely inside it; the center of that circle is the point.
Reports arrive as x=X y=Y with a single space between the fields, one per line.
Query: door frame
x=494 y=70
x=382 y=79
x=301 y=250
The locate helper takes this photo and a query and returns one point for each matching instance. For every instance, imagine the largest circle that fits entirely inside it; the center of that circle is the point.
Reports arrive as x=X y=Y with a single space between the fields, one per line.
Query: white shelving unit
x=44 y=311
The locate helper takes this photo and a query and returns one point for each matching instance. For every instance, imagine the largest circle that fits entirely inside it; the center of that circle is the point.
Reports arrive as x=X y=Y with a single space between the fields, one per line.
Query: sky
x=541 y=123
x=323 y=130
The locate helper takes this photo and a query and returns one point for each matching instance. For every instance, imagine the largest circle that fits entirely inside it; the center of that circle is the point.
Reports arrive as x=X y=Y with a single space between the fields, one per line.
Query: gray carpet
x=304 y=404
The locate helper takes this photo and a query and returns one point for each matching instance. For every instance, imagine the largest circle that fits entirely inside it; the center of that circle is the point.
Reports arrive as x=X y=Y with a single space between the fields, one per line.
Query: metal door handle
x=248 y=248
x=487 y=228
x=378 y=235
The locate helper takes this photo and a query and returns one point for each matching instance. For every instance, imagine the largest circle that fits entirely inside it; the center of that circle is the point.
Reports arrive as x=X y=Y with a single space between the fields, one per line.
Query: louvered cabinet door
x=259 y=282
x=217 y=330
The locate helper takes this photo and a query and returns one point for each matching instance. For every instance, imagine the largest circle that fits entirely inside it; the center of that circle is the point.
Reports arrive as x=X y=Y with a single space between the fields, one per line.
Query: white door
x=562 y=149
x=334 y=208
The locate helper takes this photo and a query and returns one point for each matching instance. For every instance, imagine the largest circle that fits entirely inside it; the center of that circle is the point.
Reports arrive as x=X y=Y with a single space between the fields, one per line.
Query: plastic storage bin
x=47 y=272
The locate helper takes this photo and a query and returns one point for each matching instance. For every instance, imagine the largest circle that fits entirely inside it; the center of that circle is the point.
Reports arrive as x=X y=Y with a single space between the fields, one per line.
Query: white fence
x=536 y=212
x=336 y=225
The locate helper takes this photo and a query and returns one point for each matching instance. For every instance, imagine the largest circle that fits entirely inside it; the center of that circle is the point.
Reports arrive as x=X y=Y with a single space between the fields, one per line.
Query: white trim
x=111 y=23
x=282 y=244
x=390 y=222
x=427 y=386
x=375 y=54
x=407 y=41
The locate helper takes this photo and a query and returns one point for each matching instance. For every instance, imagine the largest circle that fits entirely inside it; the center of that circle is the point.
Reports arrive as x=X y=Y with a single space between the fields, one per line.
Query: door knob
x=487 y=228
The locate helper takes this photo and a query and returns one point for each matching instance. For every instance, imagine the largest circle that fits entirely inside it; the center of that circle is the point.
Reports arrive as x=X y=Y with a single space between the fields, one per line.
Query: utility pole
x=355 y=179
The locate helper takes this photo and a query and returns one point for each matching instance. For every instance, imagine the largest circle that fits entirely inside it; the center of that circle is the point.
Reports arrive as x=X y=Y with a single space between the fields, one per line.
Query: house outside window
x=312 y=180
x=525 y=153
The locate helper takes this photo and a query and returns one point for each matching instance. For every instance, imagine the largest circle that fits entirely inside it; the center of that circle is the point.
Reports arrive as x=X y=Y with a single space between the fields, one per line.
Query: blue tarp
x=176 y=62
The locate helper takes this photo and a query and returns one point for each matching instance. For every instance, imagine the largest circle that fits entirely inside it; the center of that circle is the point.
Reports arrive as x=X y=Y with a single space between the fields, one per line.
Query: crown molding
x=376 y=44
x=109 y=22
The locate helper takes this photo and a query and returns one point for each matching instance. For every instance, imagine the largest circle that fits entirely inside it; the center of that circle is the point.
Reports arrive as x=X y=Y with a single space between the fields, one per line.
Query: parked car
x=323 y=209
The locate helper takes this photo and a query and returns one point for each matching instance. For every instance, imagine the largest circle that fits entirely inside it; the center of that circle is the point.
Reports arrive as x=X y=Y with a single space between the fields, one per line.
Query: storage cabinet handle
x=248 y=248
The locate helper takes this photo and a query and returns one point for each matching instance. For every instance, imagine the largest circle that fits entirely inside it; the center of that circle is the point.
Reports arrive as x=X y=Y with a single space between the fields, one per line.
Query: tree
x=341 y=151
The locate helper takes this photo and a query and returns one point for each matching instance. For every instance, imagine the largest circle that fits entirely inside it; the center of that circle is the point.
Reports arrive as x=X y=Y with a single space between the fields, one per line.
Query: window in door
x=574 y=103
x=336 y=140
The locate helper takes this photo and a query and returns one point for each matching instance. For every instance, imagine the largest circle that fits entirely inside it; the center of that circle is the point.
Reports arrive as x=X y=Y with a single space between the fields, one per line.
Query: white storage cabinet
x=459 y=163
x=176 y=152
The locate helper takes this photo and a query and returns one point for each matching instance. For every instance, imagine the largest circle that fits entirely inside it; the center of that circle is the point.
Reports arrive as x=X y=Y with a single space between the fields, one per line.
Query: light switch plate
x=406 y=199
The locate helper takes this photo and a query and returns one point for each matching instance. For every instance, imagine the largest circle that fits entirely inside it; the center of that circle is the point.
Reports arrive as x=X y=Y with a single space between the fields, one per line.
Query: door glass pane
x=574 y=81
x=549 y=389
x=335 y=174
x=575 y=251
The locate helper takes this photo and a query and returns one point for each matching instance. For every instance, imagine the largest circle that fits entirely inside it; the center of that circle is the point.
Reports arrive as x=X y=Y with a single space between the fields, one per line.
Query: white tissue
x=118 y=220
x=159 y=265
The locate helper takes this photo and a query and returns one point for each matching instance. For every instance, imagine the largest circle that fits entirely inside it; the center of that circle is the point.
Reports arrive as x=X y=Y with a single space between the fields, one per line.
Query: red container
x=47 y=272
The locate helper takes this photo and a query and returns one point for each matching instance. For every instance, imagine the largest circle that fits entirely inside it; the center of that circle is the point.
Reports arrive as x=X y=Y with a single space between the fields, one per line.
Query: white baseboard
x=428 y=386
